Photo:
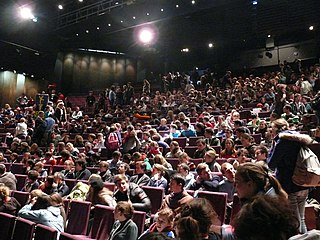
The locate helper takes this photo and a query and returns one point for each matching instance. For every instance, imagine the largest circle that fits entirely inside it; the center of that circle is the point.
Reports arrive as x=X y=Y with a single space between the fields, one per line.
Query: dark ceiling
x=228 y=24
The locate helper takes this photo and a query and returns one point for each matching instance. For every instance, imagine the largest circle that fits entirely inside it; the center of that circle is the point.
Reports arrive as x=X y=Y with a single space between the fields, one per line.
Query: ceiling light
x=146 y=36
x=60 y=6
x=177 y=5
x=193 y=2
x=116 y=3
x=121 y=21
x=210 y=45
x=80 y=0
x=77 y=34
x=161 y=9
x=254 y=2
x=185 y=50
x=87 y=31
x=148 y=14
x=134 y=17
x=269 y=36
x=26 y=13
x=35 y=19
x=98 y=28
x=311 y=28
x=109 y=24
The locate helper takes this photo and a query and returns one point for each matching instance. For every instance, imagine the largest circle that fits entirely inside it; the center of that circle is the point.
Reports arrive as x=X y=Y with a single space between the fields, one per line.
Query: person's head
x=123 y=211
x=123 y=168
x=252 y=178
x=96 y=184
x=165 y=219
x=184 y=158
x=261 y=153
x=246 y=139
x=103 y=166
x=2 y=169
x=185 y=125
x=33 y=175
x=116 y=155
x=195 y=219
x=177 y=182
x=174 y=146
x=80 y=165
x=68 y=165
x=210 y=156
x=183 y=169
x=38 y=166
x=122 y=183
x=158 y=169
x=201 y=144
x=279 y=125
x=203 y=171
x=265 y=218
x=43 y=201
x=65 y=154
x=228 y=171
x=242 y=155
x=58 y=177
x=4 y=193
x=208 y=132
x=140 y=167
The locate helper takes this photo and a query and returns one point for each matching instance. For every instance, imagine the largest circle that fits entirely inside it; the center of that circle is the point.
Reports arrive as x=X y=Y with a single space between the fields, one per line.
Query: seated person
x=178 y=196
x=184 y=170
x=98 y=194
x=131 y=192
x=163 y=223
x=48 y=186
x=205 y=181
x=157 y=177
x=115 y=162
x=8 y=204
x=210 y=160
x=7 y=178
x=187 y=131
x=32 y=181
x=202 y=148
x=210 y=138
x=68 y=171
x=39 y=168
x=140 y=177
x=81 y=171
x=104 y=171
x=227 y=183
x=261 y=155
x=62 y=187
x=42 y=210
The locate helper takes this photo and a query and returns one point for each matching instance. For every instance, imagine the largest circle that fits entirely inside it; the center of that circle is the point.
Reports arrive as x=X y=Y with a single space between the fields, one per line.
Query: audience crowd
x=199 y=133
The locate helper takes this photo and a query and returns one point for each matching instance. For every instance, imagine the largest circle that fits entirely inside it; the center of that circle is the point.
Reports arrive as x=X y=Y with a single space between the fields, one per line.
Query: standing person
x=90 y=101
x=283 y=158
x=123 y=228
x=146 y=87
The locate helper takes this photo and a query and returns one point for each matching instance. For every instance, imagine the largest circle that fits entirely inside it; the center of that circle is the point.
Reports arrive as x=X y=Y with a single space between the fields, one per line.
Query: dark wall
x=78 y=72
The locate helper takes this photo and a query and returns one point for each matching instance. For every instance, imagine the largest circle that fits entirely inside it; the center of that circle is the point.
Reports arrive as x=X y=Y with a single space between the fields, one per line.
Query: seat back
x=70 y=183
x=102 y=222
x=190 y=150
x=218 y=201
x=174 y=162
x=22 y=197
x=7 y=224
x=45 y=232
x=79 y=214
x=193 y=140
x=110 y=186
x=57 y=168
x=156 y=195
x=21 y=180
x=181 y=140
x=139 y=218
x=23 y=229
x=16 y=168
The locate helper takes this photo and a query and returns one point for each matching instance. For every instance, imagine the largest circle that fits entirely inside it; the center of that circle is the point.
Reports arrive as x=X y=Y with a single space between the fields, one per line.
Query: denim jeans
x=297 y=201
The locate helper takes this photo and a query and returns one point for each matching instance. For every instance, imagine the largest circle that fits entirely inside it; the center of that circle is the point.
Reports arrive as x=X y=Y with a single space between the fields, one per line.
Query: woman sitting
x=8 y=204
x=123 y=228
x=175 y=150
x=157 y=179
x=229 y=151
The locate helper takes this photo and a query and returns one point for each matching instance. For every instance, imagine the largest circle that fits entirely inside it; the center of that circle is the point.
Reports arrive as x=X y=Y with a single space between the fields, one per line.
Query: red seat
x=174 y=162
x=156 y=195
x=181 y=140
x=7 y=224
x=16 y=168
x=102 y=222
x=45 y=232
x=110 y=186
x=57 y=168
x=139 y=218
x=218 y=201
x=68 y=236
x=22 y=197
x=190 y=150
x=311 y=217
x=79 y=214
x=21 y=180
x=257 y=138
x=193 y=140
x=23 y=229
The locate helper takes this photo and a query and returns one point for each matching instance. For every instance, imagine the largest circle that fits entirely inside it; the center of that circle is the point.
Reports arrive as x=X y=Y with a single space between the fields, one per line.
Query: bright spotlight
x=311 y=28
x=26 y=13
x=146 y=36
x=210 y=45
x=60 y=6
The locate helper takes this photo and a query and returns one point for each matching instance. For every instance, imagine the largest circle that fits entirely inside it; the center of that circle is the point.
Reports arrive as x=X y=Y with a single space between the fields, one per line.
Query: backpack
x=113 y=142
x=307 y=169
